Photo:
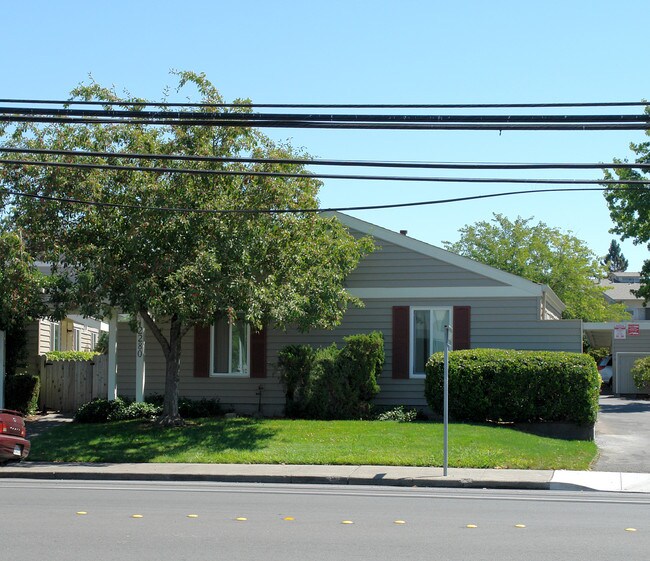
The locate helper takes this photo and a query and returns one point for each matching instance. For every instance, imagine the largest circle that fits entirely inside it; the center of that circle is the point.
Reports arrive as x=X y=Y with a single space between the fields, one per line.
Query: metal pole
x=446 y=403
x=3 y=340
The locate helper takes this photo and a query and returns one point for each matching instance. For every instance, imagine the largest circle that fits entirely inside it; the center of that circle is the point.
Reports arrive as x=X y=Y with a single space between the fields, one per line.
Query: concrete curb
x=291 y=474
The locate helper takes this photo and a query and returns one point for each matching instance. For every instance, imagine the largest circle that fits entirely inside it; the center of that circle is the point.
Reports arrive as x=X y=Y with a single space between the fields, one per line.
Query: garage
x=628 y=341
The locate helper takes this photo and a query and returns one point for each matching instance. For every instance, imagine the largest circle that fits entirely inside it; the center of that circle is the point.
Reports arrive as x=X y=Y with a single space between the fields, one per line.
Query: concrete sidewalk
x=339 y=475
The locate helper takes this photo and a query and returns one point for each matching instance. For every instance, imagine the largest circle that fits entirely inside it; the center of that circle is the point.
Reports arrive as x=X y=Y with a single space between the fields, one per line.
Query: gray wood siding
x=625 y=352
x=499 y=323
x=394 y=266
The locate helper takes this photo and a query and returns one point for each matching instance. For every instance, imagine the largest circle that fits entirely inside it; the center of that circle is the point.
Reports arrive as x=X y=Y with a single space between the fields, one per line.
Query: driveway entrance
x=623 y=435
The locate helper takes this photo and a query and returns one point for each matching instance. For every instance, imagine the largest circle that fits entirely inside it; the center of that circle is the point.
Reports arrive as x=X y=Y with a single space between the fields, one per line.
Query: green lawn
x=309 y=442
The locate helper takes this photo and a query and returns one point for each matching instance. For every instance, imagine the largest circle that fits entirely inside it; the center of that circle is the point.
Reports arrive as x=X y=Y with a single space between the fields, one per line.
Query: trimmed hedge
x=22 y=391
x=641 y=373
x=101 y=410
x=332 y=383
x=515 y=386
x=54 y=356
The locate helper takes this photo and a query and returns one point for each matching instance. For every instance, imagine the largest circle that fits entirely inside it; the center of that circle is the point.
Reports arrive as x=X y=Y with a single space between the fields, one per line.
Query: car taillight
x=3 y=427
x=600 y=368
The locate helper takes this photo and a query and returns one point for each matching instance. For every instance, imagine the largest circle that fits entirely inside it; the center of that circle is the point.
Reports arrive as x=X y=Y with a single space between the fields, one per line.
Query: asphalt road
x=623 y=435
x=68 y=521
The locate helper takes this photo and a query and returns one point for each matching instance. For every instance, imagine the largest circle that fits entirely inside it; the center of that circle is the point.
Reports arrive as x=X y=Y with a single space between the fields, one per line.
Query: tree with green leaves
x=544 y=255
x=179 y=249
x=21 y=284
x=629 y=205
x=614 y=261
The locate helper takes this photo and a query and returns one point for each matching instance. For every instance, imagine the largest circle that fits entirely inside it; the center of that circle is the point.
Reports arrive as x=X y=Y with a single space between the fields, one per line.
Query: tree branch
x=158 y=334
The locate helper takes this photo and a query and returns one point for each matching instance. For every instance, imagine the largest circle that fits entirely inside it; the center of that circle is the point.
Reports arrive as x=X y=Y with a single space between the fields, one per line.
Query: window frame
x=76 y=338
x=55 y=336
x=231 y=374
x=411 y=343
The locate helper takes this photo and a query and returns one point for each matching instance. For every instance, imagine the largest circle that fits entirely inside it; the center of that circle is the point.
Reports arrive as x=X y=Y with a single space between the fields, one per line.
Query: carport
x=628 y=341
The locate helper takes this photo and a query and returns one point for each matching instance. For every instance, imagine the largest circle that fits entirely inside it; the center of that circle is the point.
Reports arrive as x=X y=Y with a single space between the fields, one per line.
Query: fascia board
x=438 y=292
x=529 y=287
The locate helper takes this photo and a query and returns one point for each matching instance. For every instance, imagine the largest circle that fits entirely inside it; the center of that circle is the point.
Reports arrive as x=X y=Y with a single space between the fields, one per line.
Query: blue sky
x=369 y=52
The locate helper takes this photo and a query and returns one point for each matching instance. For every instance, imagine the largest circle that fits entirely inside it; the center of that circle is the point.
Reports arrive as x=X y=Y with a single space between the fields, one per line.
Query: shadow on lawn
x=139 y=441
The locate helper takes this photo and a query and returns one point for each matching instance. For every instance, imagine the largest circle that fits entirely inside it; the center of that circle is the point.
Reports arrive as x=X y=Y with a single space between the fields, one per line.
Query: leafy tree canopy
x=21 y=284
x=614 y=261
x=629 y=206
x=178 y=269
x=545 y=255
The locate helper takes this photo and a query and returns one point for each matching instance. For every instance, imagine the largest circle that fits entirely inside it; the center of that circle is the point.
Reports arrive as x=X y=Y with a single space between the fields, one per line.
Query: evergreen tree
x=615 y=261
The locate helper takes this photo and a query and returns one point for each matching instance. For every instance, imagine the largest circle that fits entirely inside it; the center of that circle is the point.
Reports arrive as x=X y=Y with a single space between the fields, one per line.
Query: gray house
x=410 y=289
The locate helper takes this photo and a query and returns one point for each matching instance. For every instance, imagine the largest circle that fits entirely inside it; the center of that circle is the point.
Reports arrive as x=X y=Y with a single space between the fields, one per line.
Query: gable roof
x=428 y=250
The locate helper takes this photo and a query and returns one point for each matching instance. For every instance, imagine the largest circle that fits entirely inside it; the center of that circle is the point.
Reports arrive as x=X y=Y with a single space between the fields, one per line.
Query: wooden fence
x=67 y=384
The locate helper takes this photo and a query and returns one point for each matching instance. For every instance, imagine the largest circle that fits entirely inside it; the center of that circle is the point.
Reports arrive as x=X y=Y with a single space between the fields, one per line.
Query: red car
x=13 y=444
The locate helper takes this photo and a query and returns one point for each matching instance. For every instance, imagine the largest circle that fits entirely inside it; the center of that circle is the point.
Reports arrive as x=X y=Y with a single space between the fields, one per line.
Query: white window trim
x=412 y=310
x=76 y=338
x=54 y=326
x=248 y=355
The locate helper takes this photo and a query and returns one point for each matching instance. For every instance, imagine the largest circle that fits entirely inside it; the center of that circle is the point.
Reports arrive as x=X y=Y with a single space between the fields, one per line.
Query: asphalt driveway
x=623 y=435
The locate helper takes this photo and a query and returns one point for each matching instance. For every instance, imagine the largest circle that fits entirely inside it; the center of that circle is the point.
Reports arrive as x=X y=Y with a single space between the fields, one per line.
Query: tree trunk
x=170 y=415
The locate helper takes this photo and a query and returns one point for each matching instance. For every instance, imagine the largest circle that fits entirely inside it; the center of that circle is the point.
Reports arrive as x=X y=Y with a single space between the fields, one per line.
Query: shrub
x=100 y=410
x=399 y=414
x=196 y=408
x=641 y=373
x=330 y=383
x=54 y=356
x=515 y=386
x=295 y=363
x=22 y=391
x=598 y=353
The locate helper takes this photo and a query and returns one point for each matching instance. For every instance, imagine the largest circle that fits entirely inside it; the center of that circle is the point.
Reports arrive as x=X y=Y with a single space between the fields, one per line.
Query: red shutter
x=462 y=322
x=258 y=354
x=201 y=351
x=401 y=317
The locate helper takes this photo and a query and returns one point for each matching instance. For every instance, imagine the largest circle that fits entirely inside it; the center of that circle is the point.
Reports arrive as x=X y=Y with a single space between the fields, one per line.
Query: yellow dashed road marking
x=82 y=512
x=471 y=526
x=241 y=519
x=347 y=522
x=630 y=529
x=137 y=516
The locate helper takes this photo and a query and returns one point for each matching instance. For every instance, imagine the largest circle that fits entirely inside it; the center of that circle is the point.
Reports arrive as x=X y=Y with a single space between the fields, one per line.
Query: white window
x=76 y=344
x=427 y=335
x=93 y=340
x=55 y=336
x=230 y=348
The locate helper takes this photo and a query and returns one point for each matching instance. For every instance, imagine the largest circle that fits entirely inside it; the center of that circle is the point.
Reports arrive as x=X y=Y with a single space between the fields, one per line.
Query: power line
x=300 y=210
x=345 y=121
x=124 y=103
x=279 y=174
x=329 y=162
x=326 y=125
x=321 y=117
x=333 y=125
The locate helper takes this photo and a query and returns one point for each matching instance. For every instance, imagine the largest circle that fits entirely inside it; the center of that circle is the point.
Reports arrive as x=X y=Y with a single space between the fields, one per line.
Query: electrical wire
x=124 y=103
x=251 y=173
x=301 y=210
x=326 y=162
x=320 y=117
x=330 y=125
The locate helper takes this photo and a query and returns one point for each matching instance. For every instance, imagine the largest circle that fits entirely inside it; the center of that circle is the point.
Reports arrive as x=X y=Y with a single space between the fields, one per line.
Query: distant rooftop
x=627 y=276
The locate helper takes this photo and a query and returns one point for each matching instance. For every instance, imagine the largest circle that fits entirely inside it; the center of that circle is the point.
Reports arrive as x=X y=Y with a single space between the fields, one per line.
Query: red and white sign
x=619 y=331
x=633 y=329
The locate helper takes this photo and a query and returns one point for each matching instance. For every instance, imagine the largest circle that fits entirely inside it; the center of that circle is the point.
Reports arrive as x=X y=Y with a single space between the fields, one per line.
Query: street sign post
x=445 y=464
